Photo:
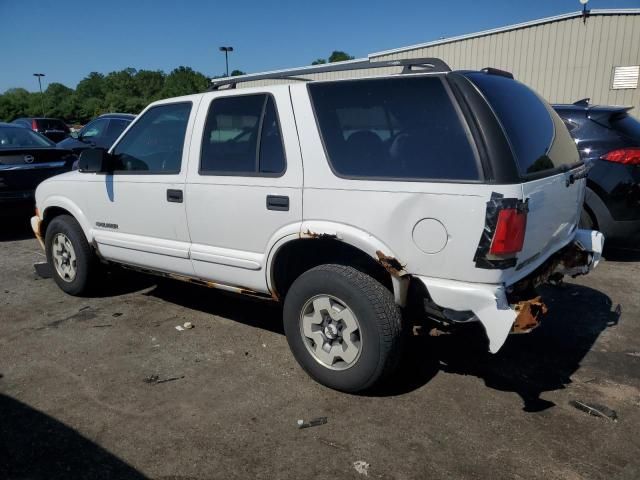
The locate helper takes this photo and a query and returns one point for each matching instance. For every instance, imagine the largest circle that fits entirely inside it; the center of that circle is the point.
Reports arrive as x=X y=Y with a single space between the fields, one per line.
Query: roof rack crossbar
x=412 y=65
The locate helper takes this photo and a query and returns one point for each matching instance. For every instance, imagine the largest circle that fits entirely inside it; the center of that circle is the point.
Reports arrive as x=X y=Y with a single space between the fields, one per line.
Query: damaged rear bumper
x=505 y=309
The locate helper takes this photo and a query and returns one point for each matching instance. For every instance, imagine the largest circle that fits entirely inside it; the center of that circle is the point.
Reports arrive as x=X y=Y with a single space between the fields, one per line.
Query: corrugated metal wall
x=563 y=60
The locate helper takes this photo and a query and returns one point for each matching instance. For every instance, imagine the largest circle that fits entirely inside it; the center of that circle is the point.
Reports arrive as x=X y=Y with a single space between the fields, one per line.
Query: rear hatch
x=548 y=166
x=52 y=128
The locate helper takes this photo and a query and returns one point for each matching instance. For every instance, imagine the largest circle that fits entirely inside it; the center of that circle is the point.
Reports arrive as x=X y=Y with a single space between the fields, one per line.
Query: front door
x=244 y=185
x=138 y=211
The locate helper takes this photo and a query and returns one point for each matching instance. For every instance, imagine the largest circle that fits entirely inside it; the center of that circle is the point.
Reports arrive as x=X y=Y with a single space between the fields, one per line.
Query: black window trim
x=147 y=172
x=257 y=172
x=459 y=114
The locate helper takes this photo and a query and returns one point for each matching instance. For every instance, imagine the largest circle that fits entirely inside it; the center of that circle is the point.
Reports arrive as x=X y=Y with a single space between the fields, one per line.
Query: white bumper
x=489 y=302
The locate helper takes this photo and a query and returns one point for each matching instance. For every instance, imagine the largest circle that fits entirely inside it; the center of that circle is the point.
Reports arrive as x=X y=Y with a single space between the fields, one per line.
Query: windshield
x=18 y=137
x=51 y=124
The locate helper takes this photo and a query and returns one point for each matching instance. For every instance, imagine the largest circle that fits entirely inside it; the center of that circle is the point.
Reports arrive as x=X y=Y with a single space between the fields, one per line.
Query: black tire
x=85 y=258
x=379 y=319
x=586 y=220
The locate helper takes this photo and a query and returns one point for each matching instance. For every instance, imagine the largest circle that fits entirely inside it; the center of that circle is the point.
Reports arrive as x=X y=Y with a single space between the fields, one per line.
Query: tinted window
x=154 y=143
x=115 y=128
x=51 y=124
x=526 y=120
x=629 y=126
x=235 y=128
x=95 y=129
x=16 y=137
x=404 y=128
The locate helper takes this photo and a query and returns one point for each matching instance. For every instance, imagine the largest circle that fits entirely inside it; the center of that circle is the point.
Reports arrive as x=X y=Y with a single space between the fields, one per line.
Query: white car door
x=138 y=211
x=244 y=185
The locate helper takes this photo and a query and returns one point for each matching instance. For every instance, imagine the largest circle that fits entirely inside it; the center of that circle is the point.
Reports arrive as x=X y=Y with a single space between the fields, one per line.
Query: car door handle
x=278 y=202
x=174 y=196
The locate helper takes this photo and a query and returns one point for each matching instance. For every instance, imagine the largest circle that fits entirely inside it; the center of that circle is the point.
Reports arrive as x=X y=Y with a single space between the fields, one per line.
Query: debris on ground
x=312 y=423
x=362 y=467
x=633 y=354
x=187 y=325
x=331 y=444
x=155 y=379
x=117 y=314
x=106 y=325
x=180 y=328
x=595 y=409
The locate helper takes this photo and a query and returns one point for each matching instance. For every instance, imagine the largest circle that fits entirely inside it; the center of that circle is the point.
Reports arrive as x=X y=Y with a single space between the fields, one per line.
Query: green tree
x=184 y=81
x=236 y=73
x=91 y=86
x=319 y=61
x=149 y=84
x=339 y=56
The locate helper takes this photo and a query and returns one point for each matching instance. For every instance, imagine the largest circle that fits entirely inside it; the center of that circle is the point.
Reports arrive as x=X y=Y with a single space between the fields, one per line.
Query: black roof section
x=413 y=65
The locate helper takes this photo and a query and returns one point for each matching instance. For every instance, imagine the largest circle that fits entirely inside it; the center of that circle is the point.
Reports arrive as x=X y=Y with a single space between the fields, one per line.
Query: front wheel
x=343 y=327
x=69 y=255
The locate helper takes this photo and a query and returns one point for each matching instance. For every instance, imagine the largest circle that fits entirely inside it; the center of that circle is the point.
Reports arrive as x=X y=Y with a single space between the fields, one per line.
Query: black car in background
x=100 y=132
x=52 y=128
x=26 y=159
x=610 y=137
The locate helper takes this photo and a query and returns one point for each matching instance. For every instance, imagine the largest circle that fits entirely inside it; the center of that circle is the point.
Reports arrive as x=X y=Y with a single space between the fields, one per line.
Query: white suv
x=348 y=200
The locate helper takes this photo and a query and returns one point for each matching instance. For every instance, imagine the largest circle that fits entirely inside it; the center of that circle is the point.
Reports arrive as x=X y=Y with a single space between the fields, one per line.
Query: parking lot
x=106 y=387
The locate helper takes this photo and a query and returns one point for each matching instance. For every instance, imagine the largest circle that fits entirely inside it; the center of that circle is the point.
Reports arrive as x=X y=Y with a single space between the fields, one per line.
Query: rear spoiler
x=605 y=116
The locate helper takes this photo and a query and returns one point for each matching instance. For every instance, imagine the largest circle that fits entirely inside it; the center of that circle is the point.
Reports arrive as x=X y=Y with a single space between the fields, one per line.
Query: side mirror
x=94 y=160
x=74 y=135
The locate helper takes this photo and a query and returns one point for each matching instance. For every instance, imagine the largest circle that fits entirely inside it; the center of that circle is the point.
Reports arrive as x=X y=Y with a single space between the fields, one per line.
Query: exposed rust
x=38 y=232
x=309 y=234
x=390 y=264
x=205 y=283
x=529 y=314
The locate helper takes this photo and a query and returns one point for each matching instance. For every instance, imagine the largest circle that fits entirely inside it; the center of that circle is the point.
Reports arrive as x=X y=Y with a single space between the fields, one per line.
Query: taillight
x=34 y=125
x=626 y=156
x=510 y=229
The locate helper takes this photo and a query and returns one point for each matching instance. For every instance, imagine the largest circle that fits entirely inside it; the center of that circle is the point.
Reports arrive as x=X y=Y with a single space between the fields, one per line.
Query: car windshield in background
x=51 y=124
x=525 y=119
x=18 y=137
x=398 y=128
x=629 y=126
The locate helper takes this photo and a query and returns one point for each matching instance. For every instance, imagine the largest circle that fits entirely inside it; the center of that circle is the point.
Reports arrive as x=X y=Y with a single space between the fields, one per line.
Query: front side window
x=393 y=128
x=242 y=137
x=115 y=128
x=154 y=143
x=95 y=129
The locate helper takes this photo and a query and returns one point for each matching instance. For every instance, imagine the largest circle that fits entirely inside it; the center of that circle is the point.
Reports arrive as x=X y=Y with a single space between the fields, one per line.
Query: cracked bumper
x=490 y=303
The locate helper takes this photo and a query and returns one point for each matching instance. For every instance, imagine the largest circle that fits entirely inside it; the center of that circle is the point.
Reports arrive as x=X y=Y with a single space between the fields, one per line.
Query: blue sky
x=66 y=40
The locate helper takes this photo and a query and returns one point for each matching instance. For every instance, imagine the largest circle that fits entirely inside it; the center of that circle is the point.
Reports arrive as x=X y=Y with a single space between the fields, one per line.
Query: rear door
x=547 y=160
x=244 y=186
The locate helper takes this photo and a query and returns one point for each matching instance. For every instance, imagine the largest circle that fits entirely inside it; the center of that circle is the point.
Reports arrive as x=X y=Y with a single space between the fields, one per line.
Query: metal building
x=565 y=58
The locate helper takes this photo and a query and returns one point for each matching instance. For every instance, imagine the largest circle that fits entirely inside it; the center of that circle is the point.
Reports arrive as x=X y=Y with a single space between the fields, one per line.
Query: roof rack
x=497 y=71
x=412 y=65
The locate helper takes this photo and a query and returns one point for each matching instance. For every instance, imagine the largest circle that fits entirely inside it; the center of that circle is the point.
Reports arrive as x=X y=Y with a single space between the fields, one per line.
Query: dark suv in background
x=610 y=137
x=100 y=132
x=52 y=128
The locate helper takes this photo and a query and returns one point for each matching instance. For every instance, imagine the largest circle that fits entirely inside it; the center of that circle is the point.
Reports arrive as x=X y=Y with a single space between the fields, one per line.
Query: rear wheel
x=69 y=255
x=343 y=327
x=586 y=220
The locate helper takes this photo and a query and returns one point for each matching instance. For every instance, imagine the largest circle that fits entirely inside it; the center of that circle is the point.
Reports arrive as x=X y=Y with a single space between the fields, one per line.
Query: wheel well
x=592 y=214
x=48 y=215
x=298 y=256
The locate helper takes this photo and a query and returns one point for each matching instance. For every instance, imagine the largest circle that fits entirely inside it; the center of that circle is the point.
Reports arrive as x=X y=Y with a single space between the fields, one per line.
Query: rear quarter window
x=539 y=139
x=628 y=126
x=393 y=129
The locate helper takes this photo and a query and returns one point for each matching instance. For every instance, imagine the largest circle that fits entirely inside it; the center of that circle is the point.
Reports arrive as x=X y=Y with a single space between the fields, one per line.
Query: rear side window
x=628 y=126
x=393 y=128
x=242 y=137
x=154 y=143
x=528 y=123
x=115 y=128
